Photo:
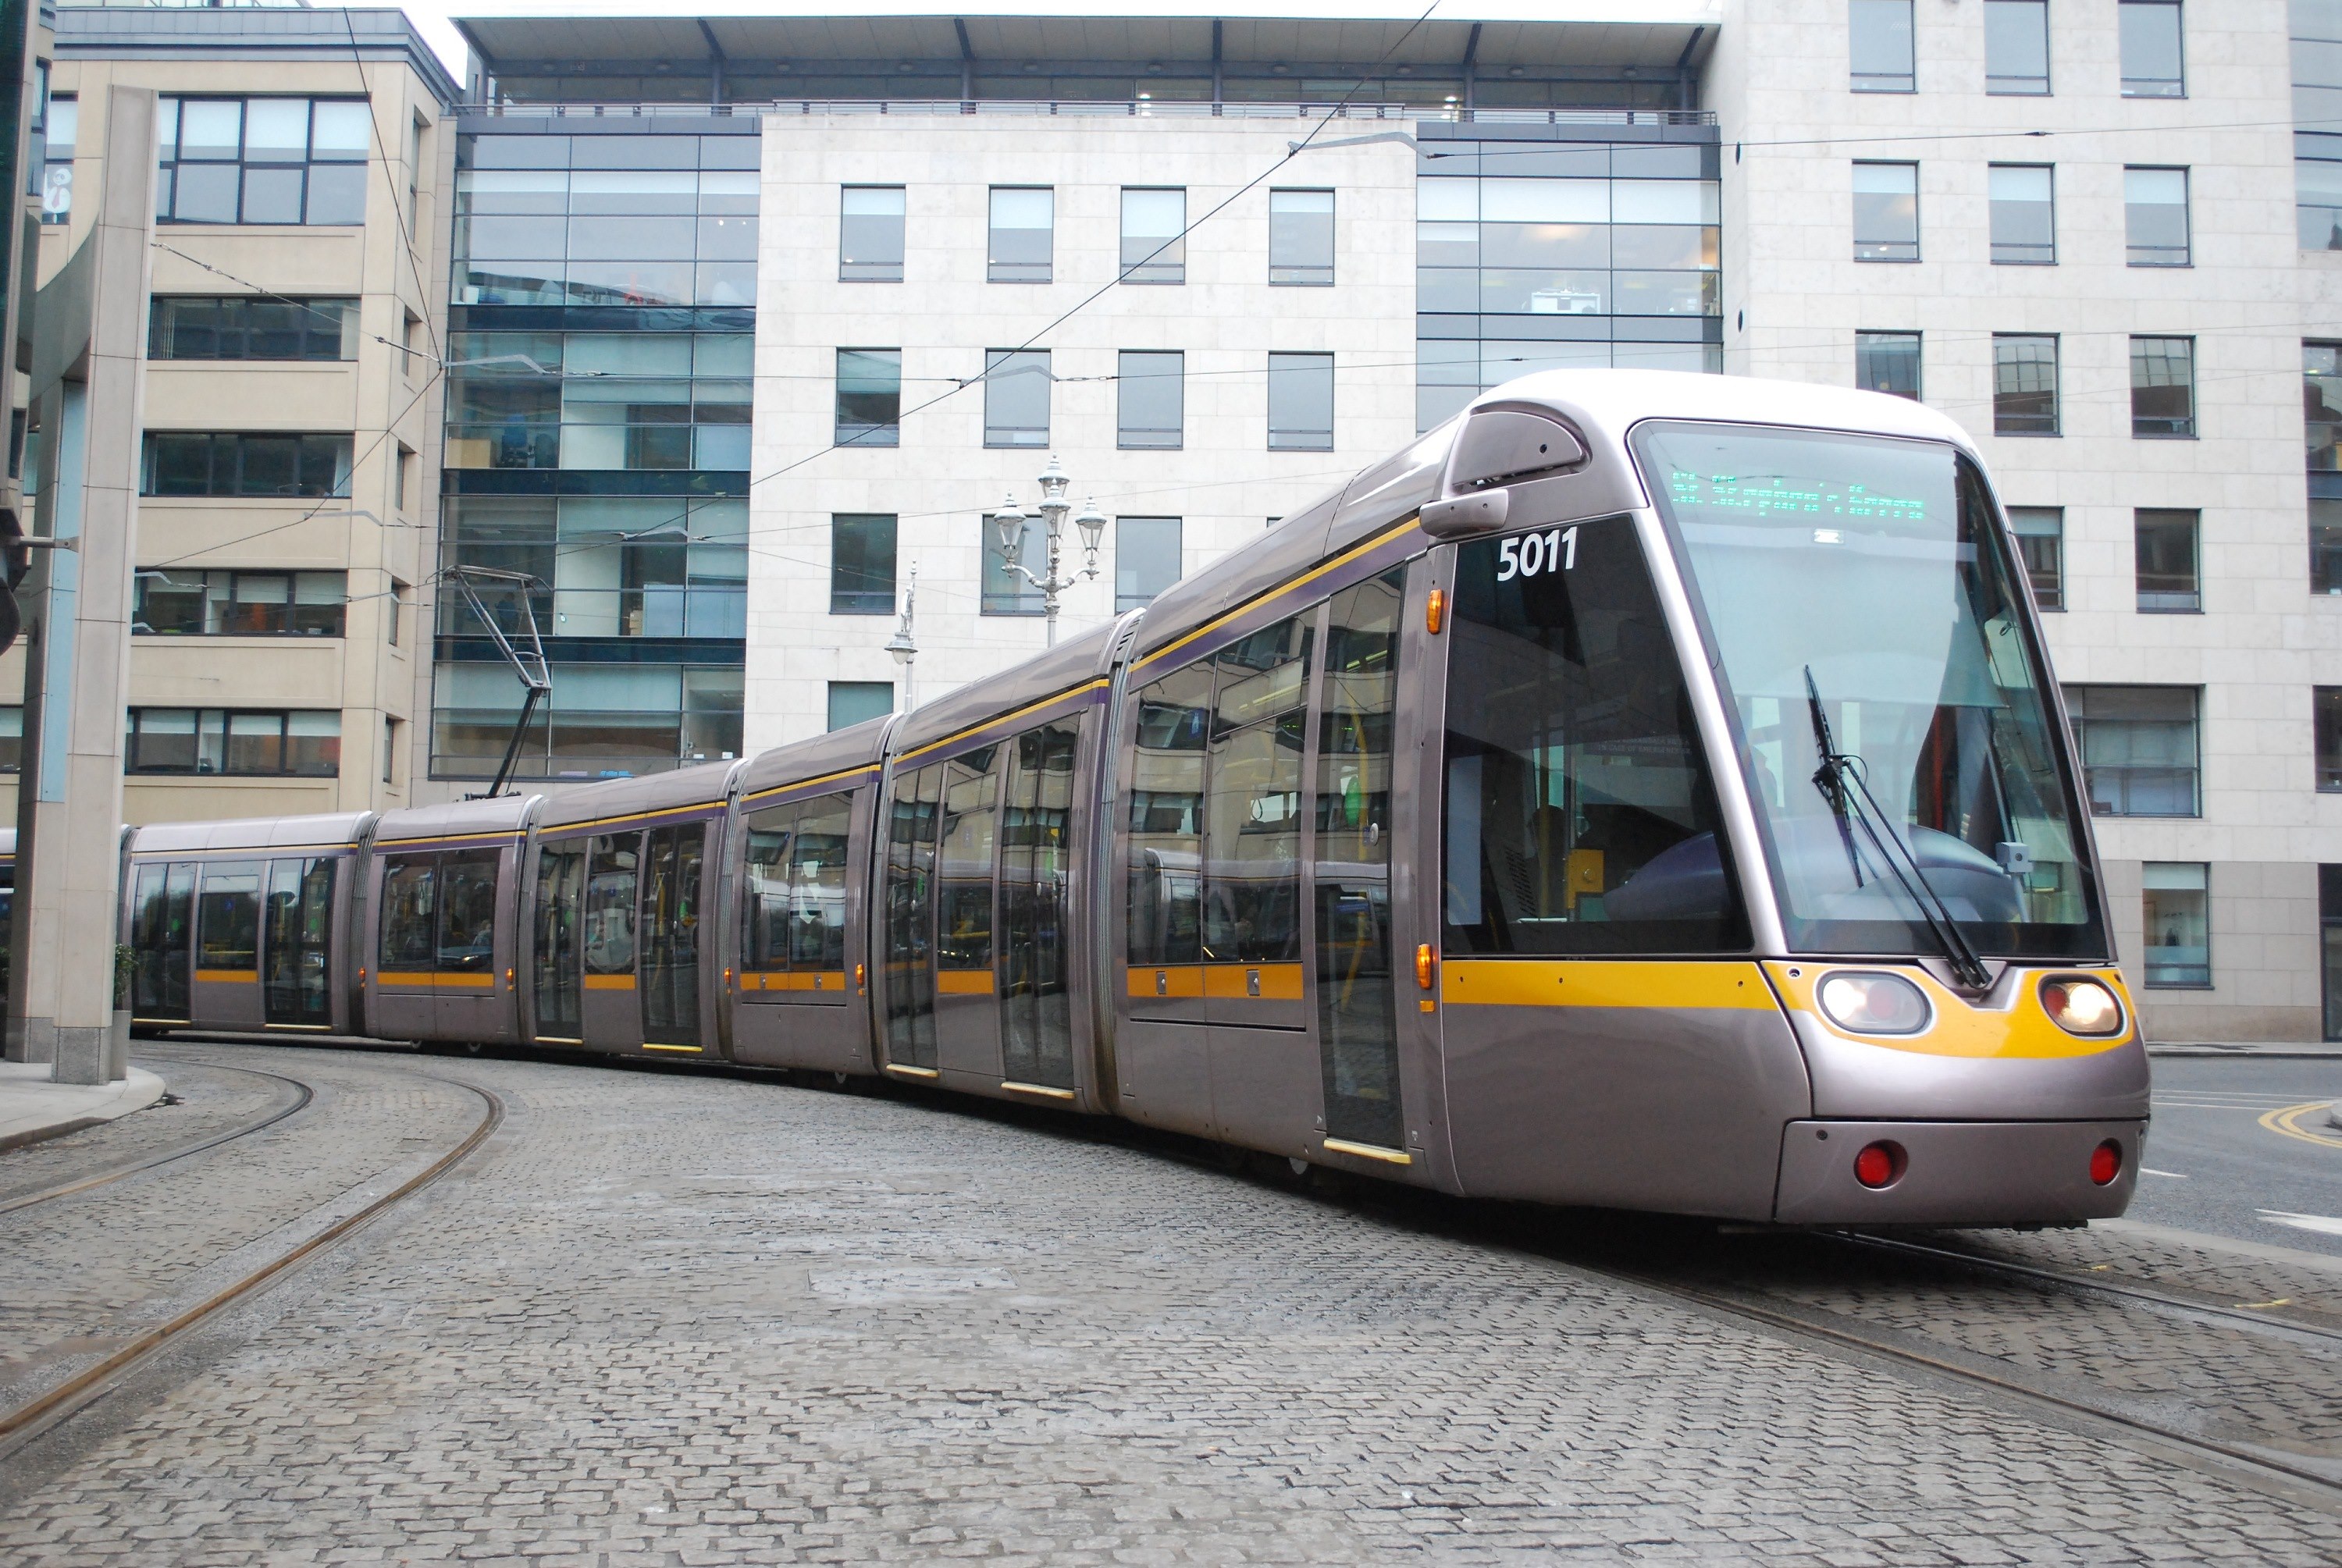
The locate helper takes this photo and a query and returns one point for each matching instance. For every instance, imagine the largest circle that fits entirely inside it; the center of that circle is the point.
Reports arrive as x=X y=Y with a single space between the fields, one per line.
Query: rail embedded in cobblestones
x=303 y=1095
x=36 y=1413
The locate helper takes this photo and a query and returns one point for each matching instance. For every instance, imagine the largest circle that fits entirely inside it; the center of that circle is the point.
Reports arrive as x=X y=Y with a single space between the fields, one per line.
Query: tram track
x=303 y=1096
x=39 y=1414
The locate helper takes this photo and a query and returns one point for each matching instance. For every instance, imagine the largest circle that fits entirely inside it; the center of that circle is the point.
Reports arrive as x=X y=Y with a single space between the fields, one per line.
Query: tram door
x=611 y=1012
x=557 y=963
x=228 y=945
x=1037 y=1023
x=674 y=860
x=162 y=931
x=967 y=1021
x=1350 y=903
x=909 y=913
x=296 y=935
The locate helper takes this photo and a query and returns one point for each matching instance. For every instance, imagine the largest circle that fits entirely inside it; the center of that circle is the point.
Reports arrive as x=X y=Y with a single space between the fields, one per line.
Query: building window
x=1301 y=403
x=301 y=743
x=2154 y=216
x=1878 y=38
x=2168 y=550
x=2325 y=717
x=1301 y=238
x=1150 y=410
x=2016 y=46
x=1886 y=212
x=2325 y=545
x=869 y=396
x=600 y=400
x=57 y=160
x=1887 y=361
x=2318 y=124
x=2024 y=215
x=263 y=160
x=2153 y=58
x=1001 y=592
x=393 y=611
x=1023 y=225
x=402 y=475
x=2138 y=748
x=2162 y=386
x=180 y=603
x=605 y=720
x=1017 y=397
x=854 y=702
x=1145 y=560
x=2321 y=387
x=11 y=739
x=2329 y=920
x=870 y=234
x=861 y=564
x=389 y=751
x=2178 y=922
x=2041 y=542
x=251 y=326
x=189 y=463
x=2024 y=384
x=654 y=565
x=1153 y=229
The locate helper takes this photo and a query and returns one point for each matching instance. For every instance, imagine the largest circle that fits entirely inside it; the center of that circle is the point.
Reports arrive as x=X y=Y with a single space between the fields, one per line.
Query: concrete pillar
x=89 y=338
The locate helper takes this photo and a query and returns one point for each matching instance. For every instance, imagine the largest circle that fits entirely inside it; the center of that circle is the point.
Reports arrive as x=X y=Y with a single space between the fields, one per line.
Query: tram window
x=1581 y=813
x=467 y=933
x=970 y=818
x=611 y=865
x=1166 y=816
x=163 y=912
x=1252 y=811
x=910 y=917
x=299 y=935
x=560 y=890
x=1357 y=1024
x=1036 y=1009
x=410 y=924
x=228 y=920
x=794 y=903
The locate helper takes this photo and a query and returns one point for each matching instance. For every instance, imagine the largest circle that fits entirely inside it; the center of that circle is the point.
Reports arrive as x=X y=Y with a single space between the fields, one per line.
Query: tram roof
x=1612 y=401
x=332 y=830
x=817 y=757
x=705 y=785
x=1044 y=675
x=458 y=819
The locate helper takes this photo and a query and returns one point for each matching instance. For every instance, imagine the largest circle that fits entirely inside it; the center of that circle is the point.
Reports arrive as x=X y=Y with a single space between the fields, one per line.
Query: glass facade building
x=1539 y=253
x=602 y=331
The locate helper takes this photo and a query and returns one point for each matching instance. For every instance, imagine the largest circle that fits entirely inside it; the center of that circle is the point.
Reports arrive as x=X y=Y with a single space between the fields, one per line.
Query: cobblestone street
x=668 y=1318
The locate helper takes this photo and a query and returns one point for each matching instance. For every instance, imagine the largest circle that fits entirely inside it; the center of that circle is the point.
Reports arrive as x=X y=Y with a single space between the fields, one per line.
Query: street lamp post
x=902 y=644
x=1011 y=524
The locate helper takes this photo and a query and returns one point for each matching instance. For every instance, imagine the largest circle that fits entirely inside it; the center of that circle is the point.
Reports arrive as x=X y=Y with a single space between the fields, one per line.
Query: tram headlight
x=2080 y=1006
x=1874 y=1003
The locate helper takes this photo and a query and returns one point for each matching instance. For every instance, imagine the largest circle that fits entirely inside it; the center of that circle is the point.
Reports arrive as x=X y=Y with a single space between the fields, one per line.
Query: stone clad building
x=745 y=319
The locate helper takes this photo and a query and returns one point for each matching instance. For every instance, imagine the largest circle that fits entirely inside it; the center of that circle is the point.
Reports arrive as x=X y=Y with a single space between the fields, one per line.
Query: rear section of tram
x=1649 y=791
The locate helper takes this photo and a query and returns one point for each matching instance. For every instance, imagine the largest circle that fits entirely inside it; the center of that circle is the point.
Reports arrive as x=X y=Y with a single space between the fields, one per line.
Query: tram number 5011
x=1534 y=552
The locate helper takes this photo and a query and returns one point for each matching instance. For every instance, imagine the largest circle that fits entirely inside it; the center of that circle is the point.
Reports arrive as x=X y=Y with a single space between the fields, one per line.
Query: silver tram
x=1647 y=790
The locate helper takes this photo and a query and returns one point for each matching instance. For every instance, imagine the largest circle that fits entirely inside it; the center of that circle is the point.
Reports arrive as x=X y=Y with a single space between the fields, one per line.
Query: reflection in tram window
x=910 y=917
x=1877 y=570
x=410 y=924
x=162 y=922
x=1581 y=813
x=1252 y=815
x=467 y=936
x=794 y=903
x=610 y=904
x=1037 y=1037
x=296 y=976
x=1357 y=1025
x=971 y=802
x=559 y=973
x=227 y=922
x=1166 y=817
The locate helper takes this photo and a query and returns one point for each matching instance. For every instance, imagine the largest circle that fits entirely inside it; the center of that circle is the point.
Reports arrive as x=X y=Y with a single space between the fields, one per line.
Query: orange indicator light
x=1434 y=611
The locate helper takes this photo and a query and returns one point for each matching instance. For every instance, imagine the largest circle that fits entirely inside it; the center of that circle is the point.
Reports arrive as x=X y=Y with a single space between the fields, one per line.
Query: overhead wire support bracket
x=535 y=677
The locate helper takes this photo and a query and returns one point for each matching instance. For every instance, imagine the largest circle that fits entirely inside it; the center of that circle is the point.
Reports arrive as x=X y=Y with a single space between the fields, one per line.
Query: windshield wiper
x=1840 y=780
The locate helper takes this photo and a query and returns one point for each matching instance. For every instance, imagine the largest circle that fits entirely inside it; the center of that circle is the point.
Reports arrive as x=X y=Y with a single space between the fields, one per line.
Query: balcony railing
x=1131 y=109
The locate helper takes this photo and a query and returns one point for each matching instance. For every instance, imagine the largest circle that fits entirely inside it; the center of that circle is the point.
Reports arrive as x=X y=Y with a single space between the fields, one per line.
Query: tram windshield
x=1859 y=588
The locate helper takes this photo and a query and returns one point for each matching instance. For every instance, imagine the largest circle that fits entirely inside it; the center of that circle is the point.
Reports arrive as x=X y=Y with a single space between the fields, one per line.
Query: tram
x=1645 y=790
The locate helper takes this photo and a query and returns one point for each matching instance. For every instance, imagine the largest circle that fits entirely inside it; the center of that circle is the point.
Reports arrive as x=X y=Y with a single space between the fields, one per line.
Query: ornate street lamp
x=1010 y=523
x=902 y=644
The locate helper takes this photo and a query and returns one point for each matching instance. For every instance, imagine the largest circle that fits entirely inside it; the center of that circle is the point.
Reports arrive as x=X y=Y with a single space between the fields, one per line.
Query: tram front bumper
x=1954 y=1173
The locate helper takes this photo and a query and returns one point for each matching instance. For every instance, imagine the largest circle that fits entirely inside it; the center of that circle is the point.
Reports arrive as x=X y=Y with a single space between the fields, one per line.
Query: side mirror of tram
x=1495 y=448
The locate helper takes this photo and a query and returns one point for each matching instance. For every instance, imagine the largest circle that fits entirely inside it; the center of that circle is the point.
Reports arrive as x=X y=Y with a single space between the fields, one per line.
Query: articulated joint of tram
x=1932 y=1104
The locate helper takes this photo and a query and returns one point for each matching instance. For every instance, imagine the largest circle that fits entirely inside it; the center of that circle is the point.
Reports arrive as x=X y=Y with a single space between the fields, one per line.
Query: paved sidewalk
x=31 y=1108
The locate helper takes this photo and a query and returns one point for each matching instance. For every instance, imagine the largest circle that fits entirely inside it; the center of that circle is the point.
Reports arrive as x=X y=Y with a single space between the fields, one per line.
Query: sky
x=431 y=17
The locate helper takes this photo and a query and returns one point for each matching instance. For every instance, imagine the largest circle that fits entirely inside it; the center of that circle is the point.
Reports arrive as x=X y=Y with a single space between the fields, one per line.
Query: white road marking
x=2151 y=1171
x=2322 y=1224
